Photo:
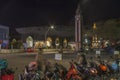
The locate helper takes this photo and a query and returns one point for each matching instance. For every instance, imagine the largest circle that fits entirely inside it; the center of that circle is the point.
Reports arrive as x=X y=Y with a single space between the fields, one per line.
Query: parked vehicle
x=5 y=73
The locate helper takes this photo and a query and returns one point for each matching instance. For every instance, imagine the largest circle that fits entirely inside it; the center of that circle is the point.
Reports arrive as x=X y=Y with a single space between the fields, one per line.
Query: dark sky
x=20 y=13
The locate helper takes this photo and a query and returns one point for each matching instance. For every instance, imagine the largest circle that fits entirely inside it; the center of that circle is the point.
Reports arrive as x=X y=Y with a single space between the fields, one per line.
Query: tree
x=109 y=29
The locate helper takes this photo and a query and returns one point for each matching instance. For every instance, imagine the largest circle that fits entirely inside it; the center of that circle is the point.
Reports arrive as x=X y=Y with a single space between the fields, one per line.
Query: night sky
x=24 y=13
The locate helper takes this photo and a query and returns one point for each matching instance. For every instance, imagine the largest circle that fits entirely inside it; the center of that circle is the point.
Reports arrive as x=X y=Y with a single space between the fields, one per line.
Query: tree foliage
x=109 y=29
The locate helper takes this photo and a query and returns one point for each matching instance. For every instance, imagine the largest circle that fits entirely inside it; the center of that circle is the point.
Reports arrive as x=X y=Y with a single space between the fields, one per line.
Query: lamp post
x=51 y=27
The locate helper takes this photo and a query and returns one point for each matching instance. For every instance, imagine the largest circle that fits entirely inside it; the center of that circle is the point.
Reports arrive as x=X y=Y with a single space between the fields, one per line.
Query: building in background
x=38 y=33
x=4 y=36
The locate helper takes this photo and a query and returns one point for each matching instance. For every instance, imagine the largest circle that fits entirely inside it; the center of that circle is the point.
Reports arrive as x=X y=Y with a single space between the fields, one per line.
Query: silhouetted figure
x=84 y=61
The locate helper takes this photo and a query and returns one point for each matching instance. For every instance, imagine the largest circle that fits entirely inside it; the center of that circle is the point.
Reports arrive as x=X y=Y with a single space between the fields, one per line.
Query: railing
x=11 y=50
x=37 y=50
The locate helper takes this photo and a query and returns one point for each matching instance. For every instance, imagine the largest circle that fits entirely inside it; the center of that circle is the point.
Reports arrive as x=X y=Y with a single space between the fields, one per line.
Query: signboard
x=58 y=56
x=98 y=52
x=116 y=52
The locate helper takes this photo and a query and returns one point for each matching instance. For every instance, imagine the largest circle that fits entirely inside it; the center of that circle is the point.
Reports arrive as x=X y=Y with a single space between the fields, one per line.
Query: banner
x=98 y=52
x=116 y=52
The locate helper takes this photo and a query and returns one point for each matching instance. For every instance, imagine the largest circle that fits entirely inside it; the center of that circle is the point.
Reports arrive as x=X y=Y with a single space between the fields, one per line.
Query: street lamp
x=51 y=27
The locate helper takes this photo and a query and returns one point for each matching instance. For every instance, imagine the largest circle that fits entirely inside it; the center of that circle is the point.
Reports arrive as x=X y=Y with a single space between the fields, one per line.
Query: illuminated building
x=95 y=41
